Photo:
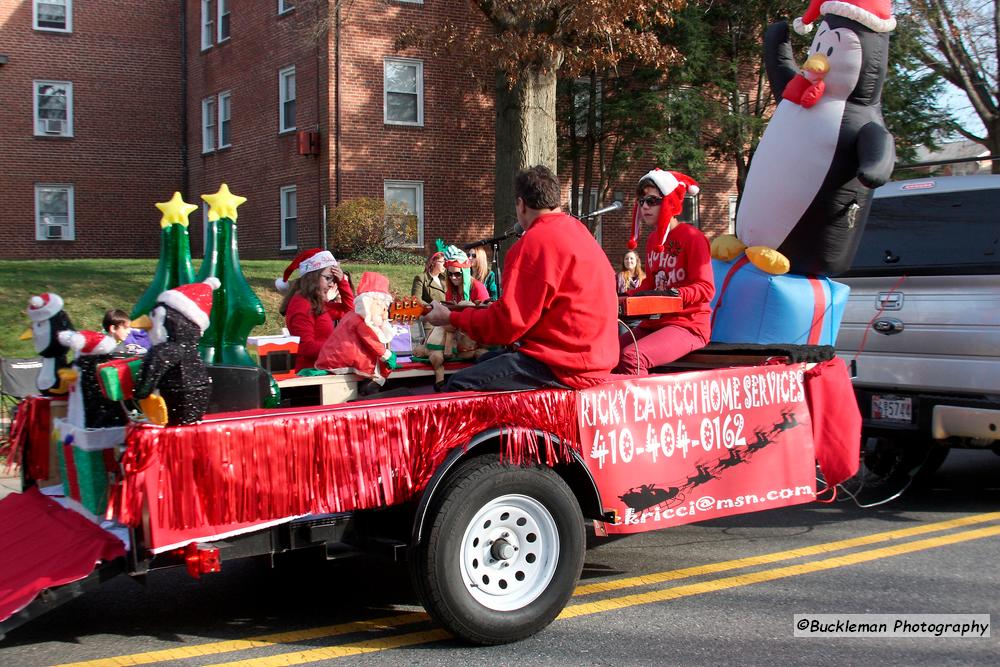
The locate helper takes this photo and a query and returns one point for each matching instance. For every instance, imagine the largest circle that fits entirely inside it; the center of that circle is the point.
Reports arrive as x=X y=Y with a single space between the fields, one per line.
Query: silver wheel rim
x=509 y=552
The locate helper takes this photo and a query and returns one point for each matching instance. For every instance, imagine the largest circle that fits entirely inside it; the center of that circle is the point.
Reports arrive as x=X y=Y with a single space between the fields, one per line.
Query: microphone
x=614 y=206
x=517 y=230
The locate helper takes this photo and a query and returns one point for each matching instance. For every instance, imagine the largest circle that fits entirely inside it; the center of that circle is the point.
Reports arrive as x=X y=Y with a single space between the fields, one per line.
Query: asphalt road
x=934 y=551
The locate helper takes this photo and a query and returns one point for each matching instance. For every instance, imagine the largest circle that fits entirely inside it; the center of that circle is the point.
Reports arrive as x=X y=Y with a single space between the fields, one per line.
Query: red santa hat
x=87 y=342
x=873 y=14
x=306 y=261
x=193 y=301
x=374 y=282
x=43 y=306
x=374 y=287
x=674 y=186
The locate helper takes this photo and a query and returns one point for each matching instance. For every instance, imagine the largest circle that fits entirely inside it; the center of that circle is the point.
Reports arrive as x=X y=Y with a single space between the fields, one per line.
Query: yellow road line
x=777 y=573
x=260 y=641
x=214 y=648
x=342 y=651
x=711 y=568
x=329 y=653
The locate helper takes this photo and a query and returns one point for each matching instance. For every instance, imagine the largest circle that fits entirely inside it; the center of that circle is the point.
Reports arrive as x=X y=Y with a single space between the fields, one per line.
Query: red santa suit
x=360 y=342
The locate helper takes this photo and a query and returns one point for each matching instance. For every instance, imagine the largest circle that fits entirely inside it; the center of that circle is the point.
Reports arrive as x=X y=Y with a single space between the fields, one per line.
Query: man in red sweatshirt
x=558 y=302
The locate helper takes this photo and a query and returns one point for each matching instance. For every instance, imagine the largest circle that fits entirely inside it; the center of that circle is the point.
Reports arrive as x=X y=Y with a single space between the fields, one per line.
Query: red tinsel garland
x=30 y=431
x=269 y=464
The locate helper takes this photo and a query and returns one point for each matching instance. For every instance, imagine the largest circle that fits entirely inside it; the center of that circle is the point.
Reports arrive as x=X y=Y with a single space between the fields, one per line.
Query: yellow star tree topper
x=175 y=211
x=223 y=204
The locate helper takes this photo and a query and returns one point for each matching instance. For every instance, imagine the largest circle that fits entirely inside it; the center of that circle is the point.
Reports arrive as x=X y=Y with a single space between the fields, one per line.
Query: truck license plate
x=892 y=409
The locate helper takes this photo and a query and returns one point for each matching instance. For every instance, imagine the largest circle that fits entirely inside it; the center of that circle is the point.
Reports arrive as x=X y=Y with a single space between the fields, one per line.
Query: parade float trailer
x=486 y=495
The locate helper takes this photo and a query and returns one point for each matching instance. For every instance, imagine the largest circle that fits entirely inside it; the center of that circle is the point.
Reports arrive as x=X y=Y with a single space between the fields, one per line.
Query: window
x=53 y=212
x=404 y=212
x=285 y=6
x=289 y=218
x=931 y=233
x=689 y=213
x=403 y=91
x=581 y=105
x=53 y=15
x=223 y=20
x=286 y=99
x=207 y=24
x=590 y=206
x=208 y=125
x=733 y=203
x=53 y=103
x=224 y=110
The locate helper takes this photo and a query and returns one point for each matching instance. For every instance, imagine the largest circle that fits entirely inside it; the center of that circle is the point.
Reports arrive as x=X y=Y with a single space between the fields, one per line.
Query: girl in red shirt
x=314 y=302
x=678 y=263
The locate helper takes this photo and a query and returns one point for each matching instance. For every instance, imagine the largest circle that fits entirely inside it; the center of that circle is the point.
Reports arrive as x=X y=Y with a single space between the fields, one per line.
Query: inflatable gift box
x=117 y=378
x=751 y=306
x=88 y=461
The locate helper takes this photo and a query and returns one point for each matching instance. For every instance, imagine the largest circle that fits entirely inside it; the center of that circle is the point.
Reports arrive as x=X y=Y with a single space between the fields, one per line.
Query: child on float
x=128 y=341
x=314 y=302
x=678 y=263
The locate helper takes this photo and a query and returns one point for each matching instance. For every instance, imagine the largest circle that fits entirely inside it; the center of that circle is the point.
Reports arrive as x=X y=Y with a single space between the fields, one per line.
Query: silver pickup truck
x=922 y=325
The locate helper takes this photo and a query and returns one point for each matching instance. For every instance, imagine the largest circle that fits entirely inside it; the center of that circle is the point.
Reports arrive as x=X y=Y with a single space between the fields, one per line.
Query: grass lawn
x=91 y=286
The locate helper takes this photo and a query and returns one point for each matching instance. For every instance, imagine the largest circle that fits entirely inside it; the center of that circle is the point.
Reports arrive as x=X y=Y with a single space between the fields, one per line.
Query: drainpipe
x=185 y=176
x=336 y=100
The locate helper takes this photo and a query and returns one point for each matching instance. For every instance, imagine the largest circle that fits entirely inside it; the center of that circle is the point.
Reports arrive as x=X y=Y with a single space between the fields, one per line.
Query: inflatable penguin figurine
x=810 y=183
x=173 y=366
x=48 y=319
x=88 y=408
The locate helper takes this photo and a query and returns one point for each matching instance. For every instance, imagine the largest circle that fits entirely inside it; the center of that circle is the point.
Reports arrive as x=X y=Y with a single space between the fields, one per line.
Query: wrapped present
x=276 y=353
x=751 y=306
x=87 y=462
x=117 y=377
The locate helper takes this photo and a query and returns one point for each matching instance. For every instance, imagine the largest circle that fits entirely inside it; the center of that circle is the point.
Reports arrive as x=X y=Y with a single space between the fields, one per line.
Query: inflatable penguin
x=48 y=319
x=173 y=366
x=810 y=183
x=88 y=408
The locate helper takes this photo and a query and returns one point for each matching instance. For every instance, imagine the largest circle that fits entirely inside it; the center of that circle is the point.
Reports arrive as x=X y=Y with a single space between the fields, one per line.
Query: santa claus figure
x=360 y=343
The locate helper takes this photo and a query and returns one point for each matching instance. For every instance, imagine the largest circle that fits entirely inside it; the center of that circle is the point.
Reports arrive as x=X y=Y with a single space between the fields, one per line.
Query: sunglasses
x=452 y=274
x=649 y=201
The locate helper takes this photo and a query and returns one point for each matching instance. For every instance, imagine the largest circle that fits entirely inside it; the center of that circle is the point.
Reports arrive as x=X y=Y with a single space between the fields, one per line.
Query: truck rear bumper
x=964 y=422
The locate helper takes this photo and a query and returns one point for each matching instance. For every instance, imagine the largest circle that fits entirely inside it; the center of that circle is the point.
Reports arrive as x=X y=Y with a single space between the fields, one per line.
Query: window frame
x=70 y=226
x=284 y=6
x=207 y=25
x=37 y=120
x=695 y=220
x=224 y=141
x=283 y=75
x=419 y=64
x=68 y=4
x=734 y=202
x=208 y=124
x=418 y=187
x=284 y=217
x=222 y=10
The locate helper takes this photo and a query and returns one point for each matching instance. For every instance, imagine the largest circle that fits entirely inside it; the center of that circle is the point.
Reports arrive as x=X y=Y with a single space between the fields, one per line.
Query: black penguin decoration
x=48 y=319
x=173 y=366
x=826 y=147
x=88 y=408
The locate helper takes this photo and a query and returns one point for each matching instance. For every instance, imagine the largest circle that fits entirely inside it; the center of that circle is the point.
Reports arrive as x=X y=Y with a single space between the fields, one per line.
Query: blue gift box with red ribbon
x=751 y=306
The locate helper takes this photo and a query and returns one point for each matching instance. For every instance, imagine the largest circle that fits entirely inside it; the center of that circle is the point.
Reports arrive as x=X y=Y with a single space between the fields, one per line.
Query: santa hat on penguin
x=87 y=342
x=673 y=186
x=876 y=15
x=305 y=262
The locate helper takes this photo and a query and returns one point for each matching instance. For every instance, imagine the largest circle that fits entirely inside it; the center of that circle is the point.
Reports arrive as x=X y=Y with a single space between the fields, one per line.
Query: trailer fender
x=575 y=474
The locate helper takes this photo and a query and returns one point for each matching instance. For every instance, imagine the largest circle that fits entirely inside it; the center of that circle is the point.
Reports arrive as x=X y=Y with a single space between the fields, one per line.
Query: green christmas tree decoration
x=236 y=309
x=174 y=267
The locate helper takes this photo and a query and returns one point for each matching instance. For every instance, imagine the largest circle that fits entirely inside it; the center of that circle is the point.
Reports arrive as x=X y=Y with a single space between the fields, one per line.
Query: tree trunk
x=525 y=134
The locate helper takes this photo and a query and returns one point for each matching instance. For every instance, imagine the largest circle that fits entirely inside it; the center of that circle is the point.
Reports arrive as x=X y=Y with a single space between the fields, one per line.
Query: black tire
x=522 y=514
x=892 y=465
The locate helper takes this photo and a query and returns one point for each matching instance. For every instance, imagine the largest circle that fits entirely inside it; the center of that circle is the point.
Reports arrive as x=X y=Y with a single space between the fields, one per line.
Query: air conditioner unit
x=53 y=125
x=53 y=231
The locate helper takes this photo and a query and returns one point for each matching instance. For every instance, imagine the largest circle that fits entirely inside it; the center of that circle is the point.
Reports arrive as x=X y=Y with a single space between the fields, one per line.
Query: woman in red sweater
x=678 y=263
x=314 y=302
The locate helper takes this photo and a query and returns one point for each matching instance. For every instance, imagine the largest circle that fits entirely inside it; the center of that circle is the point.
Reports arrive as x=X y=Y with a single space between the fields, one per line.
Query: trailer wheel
x=503 y=551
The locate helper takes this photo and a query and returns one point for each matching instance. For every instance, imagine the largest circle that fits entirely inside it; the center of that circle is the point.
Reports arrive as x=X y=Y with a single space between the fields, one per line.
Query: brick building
x=108 y=107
